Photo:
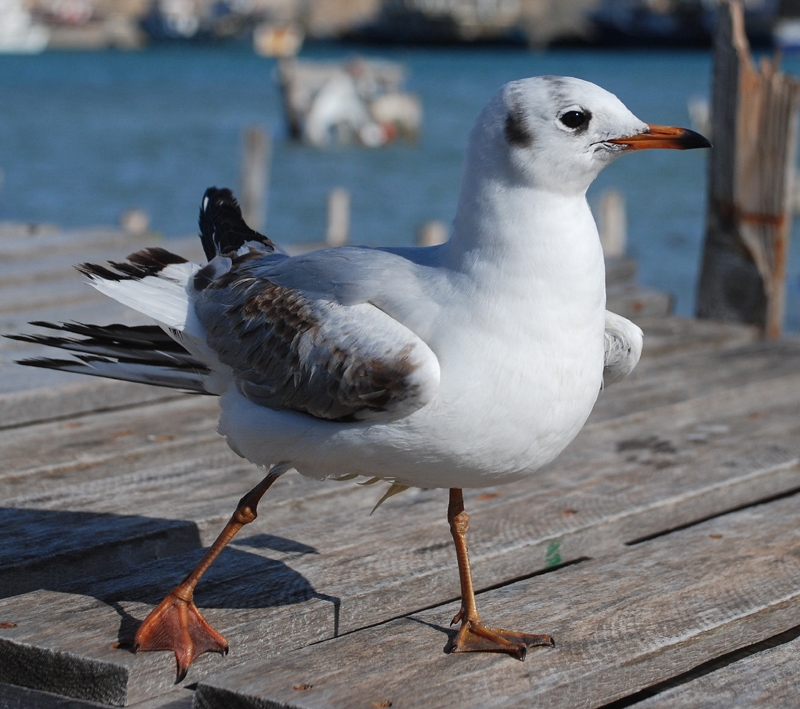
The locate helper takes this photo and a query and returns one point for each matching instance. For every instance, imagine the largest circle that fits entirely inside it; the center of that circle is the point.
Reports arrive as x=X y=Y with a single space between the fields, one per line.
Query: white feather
x=163 y=297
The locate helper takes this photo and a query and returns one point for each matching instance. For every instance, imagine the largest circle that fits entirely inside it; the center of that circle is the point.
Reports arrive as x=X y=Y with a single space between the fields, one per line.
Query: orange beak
x=668 y=137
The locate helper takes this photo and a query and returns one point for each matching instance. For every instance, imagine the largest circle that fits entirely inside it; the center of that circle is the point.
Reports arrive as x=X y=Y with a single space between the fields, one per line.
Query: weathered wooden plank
x=682 y=379
x=46 y=264
x=25 y=241
x=31 y=295
x=49 y=544
x=633 y=300
x=199 y=466
x=766 y=679
x=82 y=395
x=620 y=269
x=663 y=336
x=632 y=619
x=624 y=485
x=108 y=438
x=46 y=245
x=82 y=672
x=146 y=467
x=14 y=697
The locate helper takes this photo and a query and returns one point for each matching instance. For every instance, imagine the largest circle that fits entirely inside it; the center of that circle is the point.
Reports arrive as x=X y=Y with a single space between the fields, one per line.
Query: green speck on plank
x=552 y=556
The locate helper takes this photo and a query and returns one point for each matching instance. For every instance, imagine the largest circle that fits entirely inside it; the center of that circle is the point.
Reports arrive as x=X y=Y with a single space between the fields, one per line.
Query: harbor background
x=680 y=494
x=85 y=136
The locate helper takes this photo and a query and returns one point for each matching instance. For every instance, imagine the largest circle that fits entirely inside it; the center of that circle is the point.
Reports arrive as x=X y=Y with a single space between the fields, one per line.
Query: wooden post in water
x=255 y=177
x=338 y=232
x=754 y=130
x=613 y=223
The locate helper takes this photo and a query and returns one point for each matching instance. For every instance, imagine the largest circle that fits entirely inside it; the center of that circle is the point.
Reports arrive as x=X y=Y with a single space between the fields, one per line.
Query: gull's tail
x=160 y=285
x=154 y=283
x=144 y=354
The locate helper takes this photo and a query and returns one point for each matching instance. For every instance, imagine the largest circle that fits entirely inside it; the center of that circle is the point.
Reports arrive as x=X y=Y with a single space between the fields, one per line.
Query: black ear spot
x=516 y=130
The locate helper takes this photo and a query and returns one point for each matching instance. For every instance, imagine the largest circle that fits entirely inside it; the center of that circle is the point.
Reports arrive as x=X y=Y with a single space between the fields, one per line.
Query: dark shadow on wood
x=114 y=558
x=127 y=628
x=270 y=541
x=451 y=632
x=46 y=549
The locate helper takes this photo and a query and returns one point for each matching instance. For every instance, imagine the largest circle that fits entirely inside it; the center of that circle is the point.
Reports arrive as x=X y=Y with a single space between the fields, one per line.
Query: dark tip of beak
x=691 y=140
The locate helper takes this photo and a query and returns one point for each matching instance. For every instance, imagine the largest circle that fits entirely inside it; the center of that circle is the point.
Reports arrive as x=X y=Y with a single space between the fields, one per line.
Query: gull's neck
x=505 y=229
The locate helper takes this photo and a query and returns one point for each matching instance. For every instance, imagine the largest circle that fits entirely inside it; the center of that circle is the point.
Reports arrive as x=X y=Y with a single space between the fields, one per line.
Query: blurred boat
x=786 y=34
x=358 y=102
x=273 y=40
x=452 y=22
x=192 y=21
x=674 y=23
x=19 y=34
x=172 y=20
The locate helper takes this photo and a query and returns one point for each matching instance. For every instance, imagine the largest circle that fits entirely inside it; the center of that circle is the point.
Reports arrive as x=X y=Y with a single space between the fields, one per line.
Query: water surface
x=84 y=136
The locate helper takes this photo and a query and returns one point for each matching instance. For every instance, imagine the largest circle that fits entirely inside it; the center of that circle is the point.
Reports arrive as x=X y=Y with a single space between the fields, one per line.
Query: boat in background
x=19 y=34
x=674 y=23
x=277 y=40
x=358 y=102
x=786 y=35
x=194 y=21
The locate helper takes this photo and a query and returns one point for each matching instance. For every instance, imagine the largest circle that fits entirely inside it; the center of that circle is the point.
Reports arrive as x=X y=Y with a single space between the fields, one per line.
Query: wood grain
x=322 y=571
x=14 y=697
x=621 y=623
x=767 y=679
x=105 y=510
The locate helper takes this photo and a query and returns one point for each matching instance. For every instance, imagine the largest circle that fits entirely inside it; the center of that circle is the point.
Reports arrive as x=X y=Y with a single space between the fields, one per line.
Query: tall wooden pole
x=255 y=176
x=338 y=232
x=754 y=129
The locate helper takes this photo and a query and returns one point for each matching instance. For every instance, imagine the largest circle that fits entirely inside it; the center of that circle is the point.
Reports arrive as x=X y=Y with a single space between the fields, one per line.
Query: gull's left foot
x=474 y=636
x=176 y=624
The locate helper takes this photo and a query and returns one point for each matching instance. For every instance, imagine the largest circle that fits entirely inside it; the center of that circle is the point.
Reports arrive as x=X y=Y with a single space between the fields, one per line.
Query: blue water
x=84 y=136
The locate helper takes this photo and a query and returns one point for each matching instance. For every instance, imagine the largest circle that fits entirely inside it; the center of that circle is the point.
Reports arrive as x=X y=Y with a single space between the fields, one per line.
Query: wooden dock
x=661 y=550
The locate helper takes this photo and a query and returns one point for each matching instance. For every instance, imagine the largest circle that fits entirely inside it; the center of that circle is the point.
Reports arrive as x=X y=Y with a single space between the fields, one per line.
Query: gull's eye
x=575 y=119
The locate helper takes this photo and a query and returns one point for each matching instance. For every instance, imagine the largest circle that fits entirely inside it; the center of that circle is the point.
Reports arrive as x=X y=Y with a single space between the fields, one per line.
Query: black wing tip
x=219 y=195
x=98 y=271
x=46 y=362
x=138 y=265
x=222 y=227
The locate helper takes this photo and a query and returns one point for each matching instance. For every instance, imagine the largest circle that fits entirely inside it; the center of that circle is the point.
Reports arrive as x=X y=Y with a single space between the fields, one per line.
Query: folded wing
x=289 y=349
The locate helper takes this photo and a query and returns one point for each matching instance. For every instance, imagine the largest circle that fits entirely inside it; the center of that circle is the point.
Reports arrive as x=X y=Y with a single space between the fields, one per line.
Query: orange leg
x=474 y=636
x=175 y=623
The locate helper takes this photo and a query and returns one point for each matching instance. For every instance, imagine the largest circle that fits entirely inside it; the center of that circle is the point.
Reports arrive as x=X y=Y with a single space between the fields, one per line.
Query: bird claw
x=176 y=624
x=474 y=636
x=458 y=617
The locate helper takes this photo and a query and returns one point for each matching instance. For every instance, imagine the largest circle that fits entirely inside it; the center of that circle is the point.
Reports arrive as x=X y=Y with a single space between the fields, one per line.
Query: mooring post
x=613 y=224
x=255 y=177
x=338 y=231
x=751 y=172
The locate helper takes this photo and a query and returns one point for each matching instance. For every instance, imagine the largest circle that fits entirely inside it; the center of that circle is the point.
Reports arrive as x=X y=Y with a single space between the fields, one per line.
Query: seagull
x=463 y=365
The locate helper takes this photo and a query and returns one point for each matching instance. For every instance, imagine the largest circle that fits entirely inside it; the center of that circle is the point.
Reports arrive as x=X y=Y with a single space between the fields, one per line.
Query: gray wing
x=623 y=347
x=302 y=349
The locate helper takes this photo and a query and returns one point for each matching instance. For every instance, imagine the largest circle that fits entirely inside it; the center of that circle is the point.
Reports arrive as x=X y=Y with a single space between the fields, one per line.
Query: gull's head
x=557 y=133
